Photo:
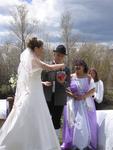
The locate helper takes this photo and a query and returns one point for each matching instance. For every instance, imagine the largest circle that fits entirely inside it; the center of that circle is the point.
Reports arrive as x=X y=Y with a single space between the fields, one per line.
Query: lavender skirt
x=68 y=132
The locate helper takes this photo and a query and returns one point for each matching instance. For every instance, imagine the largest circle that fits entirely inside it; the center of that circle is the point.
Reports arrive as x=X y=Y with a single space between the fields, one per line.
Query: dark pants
x=56 y=112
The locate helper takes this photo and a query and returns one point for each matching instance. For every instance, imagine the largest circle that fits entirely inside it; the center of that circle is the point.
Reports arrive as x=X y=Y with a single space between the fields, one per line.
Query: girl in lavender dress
x=80 y=127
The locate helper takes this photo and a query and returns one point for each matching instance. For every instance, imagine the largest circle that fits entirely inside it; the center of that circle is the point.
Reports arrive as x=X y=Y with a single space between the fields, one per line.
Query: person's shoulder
x=67 y=68
x=44 y=71
x=26 y=54
x=90 y=79
x=100 y=82
x=73 y=75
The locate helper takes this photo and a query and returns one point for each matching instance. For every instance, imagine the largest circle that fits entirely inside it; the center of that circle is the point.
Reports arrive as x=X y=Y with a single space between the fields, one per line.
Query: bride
x=29 y=125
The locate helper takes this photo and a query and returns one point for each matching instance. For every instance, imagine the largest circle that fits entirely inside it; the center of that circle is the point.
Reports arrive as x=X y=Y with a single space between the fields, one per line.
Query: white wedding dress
x=29 y=125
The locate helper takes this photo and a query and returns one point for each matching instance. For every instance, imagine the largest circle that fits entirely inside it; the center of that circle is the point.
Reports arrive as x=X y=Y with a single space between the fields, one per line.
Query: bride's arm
x=51 y=67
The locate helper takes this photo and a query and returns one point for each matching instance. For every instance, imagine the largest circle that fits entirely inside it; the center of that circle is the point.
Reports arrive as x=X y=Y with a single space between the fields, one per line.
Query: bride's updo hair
x=34 y=43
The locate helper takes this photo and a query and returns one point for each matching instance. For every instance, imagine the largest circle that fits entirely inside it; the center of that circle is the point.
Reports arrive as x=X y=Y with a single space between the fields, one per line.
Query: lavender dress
x=80 y=126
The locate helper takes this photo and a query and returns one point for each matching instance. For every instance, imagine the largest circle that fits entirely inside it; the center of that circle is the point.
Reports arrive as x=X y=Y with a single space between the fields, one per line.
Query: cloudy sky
x=92 y=19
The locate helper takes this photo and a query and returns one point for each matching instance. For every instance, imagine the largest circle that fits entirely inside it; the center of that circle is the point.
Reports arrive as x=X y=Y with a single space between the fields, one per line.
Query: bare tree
x=21 y=26
x=48 y=53
x=66 y=33
x=45 y=35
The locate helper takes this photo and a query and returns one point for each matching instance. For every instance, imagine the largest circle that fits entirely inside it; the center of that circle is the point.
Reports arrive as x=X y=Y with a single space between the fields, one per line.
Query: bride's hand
x=62 y=66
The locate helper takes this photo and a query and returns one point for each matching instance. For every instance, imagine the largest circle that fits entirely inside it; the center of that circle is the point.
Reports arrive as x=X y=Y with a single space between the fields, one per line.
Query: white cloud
x=5 y=19
x=5 y=6
x=9 y=2
x=4 y=36
x=44 y=10
x=2 y=33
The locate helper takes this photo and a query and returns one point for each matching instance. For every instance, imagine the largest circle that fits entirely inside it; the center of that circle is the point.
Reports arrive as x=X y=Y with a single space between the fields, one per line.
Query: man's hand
x=47 y=83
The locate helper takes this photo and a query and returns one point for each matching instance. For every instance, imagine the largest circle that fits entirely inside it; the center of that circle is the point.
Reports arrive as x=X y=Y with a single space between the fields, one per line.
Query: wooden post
x=11 y=101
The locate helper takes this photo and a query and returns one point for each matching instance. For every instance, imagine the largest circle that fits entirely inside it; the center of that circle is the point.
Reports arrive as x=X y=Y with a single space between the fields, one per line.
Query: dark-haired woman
x=80 y=127
x=29 y=125
x=99 y=87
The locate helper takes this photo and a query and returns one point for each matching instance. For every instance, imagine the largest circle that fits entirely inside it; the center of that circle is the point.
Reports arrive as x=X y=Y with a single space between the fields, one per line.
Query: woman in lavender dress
x=80 y=127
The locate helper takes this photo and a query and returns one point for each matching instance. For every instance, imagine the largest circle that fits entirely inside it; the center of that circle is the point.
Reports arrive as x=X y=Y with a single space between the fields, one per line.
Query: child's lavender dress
x=80 y=126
